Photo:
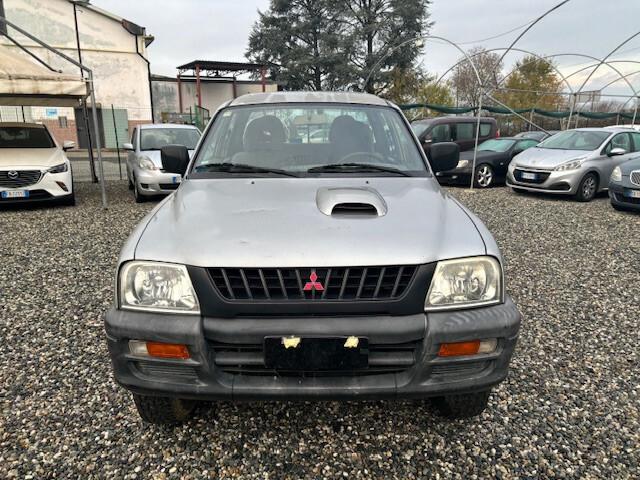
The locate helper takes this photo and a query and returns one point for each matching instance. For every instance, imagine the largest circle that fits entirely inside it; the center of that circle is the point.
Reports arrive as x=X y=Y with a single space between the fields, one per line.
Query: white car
x=33 y=167
x=145 y=172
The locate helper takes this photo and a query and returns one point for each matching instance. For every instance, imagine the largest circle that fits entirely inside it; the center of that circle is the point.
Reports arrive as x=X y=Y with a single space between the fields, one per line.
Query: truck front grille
x=19 y=178
x=328 y=284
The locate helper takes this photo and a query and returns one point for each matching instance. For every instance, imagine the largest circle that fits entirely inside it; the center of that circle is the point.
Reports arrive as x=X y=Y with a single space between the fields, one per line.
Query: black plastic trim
x=213 y=305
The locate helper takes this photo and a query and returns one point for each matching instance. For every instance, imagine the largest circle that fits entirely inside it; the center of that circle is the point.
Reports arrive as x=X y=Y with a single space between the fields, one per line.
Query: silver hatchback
x=145 y=171
x=574 y=162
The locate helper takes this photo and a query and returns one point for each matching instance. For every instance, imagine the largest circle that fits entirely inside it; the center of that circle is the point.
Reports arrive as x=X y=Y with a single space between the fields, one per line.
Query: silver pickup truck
x=309 y=253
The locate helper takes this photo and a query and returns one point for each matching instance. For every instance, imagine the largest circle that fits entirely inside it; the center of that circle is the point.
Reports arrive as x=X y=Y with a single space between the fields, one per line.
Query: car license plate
x=529 y=176
x=632 y=193
x=15 y=194
x=316 y=354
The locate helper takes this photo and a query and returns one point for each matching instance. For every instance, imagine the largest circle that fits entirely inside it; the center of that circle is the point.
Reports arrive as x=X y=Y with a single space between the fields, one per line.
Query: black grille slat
x=338 y=284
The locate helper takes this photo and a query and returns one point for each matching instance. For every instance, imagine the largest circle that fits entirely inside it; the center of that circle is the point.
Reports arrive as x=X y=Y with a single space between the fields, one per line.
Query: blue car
x=624 y=186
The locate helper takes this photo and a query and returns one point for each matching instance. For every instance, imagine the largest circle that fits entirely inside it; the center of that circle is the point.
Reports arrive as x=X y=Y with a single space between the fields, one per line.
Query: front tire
x=163 y=410
x=588 y=188
x=464 y=405
x=484 y=176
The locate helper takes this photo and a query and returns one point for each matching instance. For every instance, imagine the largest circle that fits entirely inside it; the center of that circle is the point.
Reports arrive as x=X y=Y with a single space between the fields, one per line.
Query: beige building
x=113 y=47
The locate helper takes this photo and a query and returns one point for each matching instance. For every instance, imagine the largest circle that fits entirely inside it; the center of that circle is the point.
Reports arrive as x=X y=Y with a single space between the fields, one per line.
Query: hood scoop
x=357 y=202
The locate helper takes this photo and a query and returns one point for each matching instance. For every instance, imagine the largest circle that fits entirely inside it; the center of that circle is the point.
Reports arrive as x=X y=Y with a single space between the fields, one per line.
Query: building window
x=62 y=122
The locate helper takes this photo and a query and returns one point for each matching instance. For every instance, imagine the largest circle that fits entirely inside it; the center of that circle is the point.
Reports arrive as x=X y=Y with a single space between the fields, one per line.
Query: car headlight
x=146 y=164
x=572 y=165
x=464 y=283
x=158 y=287
x=616 y=175
x=462 y=163
x=63 y=167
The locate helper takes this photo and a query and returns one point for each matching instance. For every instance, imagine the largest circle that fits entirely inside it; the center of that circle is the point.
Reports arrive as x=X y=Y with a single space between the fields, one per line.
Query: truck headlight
x=464 y=283
x=146 y=164
x=63 y=167
x=616 y=175
x=157 y=287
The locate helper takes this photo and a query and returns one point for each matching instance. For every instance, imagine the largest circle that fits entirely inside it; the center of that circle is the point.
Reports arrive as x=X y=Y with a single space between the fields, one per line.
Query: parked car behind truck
x=460 y=130
x=287 y=270
x=624 y=185
x=145 y=172
x=33 y=167
x=492 y=160
x=573 y=162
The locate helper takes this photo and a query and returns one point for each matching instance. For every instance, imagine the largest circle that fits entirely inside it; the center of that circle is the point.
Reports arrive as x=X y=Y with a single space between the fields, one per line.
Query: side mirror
x=68 y=145
x=128 y=146
x=175 y=159
x=617 y=151
x=444 y=156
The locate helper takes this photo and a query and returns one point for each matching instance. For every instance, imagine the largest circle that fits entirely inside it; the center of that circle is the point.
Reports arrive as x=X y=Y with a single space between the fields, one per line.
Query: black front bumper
x=617 y=195
x=225 y=355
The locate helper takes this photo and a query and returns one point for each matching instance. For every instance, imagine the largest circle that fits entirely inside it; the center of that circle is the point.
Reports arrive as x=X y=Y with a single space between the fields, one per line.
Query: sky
x=186 y=30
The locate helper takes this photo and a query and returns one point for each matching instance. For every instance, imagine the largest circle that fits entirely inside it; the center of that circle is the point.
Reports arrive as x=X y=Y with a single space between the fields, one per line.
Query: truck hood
x=277 y=222
x=30 y=157
x=547 y=157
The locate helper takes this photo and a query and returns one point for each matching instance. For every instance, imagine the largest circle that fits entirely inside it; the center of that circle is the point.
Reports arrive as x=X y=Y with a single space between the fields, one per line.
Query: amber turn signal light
x=167 y=350
x=467 y=348
x=158 y=349
x=459 y=348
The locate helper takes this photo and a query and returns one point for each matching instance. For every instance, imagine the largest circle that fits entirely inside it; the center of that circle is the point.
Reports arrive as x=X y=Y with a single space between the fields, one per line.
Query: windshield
x=309 y=139
x=420 y=127
x=25 y=137
x=575 y=140
x=495 y=145
x=156 y=138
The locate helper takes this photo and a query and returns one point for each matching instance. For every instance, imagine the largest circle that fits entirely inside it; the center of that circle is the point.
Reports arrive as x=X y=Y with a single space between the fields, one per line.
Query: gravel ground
x=568 y=410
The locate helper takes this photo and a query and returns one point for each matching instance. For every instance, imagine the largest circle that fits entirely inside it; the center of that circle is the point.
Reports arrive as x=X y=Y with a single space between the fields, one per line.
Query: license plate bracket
x=316 y=353
x=529 y=176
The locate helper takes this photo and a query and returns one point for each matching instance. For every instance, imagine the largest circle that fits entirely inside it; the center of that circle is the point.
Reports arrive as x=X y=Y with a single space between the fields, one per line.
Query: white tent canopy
x=23 y=82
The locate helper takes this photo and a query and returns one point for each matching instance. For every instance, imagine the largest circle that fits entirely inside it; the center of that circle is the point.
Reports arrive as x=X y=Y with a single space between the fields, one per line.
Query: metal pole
x=115 y=130
x=198 y=85
x=635 y=111
x=475 y=148
x=571 y=107
x=530 y=119
x=98 y=146
x=179 y=94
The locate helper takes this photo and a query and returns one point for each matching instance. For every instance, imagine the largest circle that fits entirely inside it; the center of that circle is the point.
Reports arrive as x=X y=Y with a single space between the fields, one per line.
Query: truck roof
x=308 y=97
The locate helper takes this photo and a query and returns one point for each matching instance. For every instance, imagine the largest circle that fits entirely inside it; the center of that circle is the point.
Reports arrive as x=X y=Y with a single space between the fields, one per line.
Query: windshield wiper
x=357 y=167
x=241 y=168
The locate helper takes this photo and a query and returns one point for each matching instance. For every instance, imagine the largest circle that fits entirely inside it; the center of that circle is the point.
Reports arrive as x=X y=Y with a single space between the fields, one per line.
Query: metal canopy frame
x=92 y=96
x=214 y=69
